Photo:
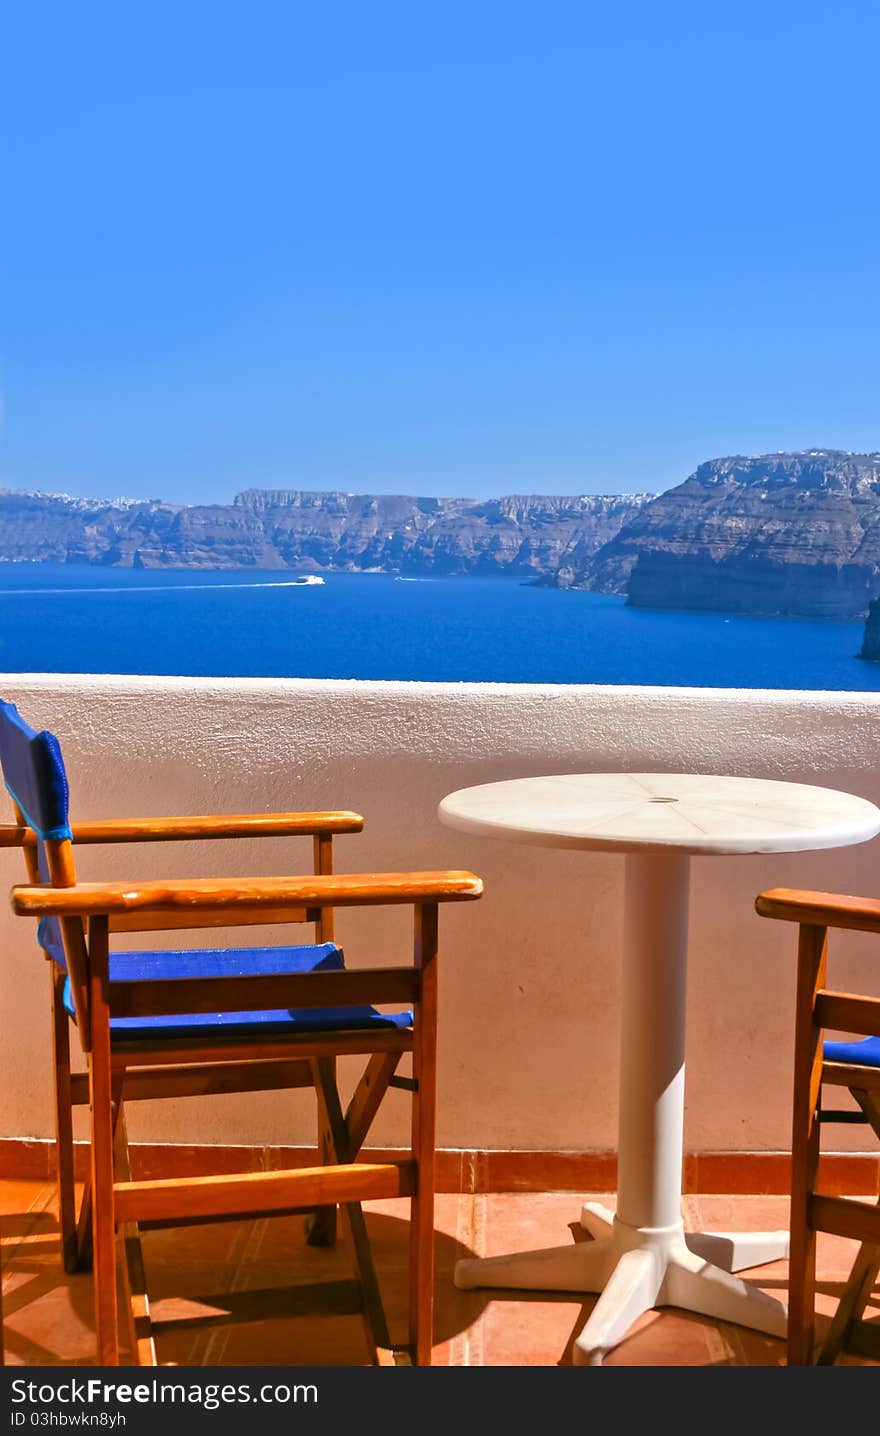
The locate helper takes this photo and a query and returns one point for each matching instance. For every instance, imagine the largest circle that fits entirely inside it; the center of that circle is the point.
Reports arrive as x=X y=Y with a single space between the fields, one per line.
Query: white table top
x=658 y=812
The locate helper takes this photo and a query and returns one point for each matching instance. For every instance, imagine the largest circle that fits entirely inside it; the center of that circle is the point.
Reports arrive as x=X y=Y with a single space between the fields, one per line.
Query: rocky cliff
x=871 y=641
x=525 y=536
x=793 y=533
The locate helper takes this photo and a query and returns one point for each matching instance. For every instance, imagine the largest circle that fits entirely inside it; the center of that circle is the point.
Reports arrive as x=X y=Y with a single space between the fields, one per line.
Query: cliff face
x=871 y=641
x=794 y=533
x=525 y=536
x=528 y=536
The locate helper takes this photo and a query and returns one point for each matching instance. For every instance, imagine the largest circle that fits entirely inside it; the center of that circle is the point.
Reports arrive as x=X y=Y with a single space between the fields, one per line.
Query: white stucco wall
x=530 y=975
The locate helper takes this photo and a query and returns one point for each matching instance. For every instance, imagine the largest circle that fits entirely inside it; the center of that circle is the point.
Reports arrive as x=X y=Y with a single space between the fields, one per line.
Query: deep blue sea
x=64 y=619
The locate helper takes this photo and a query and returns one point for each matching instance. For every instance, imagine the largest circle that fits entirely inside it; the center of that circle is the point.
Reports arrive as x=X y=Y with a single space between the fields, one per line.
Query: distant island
x=788 y=533
x=526 y=537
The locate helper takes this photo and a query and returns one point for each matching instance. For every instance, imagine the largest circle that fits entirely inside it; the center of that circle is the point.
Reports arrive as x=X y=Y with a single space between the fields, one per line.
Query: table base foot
x=584 y=1266
x=698 y=1286
x=737 y=1251
x=633 y=1288
x=597 y=1219
x=639 y=1269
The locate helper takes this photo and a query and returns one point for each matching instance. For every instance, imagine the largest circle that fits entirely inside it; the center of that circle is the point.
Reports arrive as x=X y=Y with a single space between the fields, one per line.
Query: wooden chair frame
x=819 y=1009
x=73 y=1090
x=122 y=1070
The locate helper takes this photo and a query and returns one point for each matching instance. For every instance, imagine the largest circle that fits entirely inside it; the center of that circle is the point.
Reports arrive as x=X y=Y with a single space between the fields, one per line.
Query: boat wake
x=163 y=587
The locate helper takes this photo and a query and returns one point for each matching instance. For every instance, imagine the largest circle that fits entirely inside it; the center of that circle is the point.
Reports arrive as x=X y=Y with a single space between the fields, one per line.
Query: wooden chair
x=818 y=1063
x=158 y=1023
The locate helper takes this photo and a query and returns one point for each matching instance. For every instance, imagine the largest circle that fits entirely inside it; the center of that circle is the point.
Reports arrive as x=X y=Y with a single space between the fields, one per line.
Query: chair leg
x=375 y=1323
x=64 y=1125
x=368 y=1097
x=812 y=966
x=140 y=1325
x=865 y=1268
x=856 y=1293
x=84 y=1220
x=421 y=1245
x=84 y=1228
x=101 y=1100
x=870 y=1105
x=322 y=1225
x=801 y=1262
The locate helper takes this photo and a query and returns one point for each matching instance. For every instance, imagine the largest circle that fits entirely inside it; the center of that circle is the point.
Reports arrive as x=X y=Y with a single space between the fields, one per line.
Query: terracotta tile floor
x=48 y=1316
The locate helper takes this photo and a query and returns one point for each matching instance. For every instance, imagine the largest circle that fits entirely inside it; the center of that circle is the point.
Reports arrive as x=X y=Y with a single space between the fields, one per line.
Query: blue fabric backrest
x=33 y=771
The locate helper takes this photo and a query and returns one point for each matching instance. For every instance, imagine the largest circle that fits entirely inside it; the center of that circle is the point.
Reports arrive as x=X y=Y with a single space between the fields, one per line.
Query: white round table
x=641 y=1256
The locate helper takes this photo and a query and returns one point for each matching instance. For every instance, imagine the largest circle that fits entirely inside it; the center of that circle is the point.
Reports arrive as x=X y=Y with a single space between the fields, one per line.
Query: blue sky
x=439 y=248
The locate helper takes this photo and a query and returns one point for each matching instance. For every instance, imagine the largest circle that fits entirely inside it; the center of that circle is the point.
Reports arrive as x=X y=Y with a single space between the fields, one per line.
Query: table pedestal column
x=641 y=1257
x=651 y=1120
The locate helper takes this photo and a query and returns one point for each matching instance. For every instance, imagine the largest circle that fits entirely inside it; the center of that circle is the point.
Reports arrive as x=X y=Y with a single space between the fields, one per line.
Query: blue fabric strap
x=46 y=835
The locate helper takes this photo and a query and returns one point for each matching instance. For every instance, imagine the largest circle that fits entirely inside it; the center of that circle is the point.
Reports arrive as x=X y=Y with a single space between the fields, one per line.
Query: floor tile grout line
x=461 y=1345
x=479 y=1226
x=205 y=1343
x=720 y=1348
x=250 y=1250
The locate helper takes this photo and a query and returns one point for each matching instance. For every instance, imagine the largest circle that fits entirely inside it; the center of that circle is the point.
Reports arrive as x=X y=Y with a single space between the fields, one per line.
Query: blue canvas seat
x=201 y=1020
x=239 y=962
x=864 y=1053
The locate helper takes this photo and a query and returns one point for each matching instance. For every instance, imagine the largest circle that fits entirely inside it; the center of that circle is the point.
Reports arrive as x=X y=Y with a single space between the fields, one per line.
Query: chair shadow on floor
x=49 y=1317
x=314 y=1321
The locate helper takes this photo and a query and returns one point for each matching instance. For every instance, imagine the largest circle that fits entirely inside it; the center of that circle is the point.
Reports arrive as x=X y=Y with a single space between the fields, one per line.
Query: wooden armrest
x=820 y=909
x=233 y=825
x=192 y=895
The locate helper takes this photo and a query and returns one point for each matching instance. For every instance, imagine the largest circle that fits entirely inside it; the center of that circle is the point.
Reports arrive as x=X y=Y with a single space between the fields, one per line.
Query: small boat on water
x=308 y=578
